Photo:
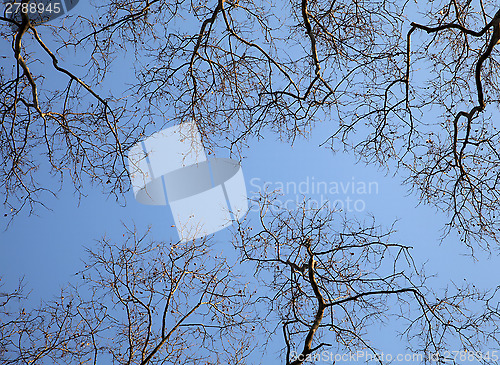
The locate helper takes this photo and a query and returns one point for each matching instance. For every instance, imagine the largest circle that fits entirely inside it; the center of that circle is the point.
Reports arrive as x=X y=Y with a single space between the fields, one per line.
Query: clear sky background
x=47 y=248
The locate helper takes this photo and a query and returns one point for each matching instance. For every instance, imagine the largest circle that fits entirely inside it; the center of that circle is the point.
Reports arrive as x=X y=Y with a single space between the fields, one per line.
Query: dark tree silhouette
x=410 y=87
x=137 y=302
x=323 y=282
x=416 y=95
x=332 y=280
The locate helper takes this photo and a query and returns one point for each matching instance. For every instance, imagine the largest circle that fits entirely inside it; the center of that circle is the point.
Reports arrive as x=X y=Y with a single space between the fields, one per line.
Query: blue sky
x=47 y=248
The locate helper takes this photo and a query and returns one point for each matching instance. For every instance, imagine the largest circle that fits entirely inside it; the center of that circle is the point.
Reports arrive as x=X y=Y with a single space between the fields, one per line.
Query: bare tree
x=414 y=96
x=460 y=170
x=54 y=121
x=432 y=114
x=330 y=281
x=240 y=68
x=137 y=302
x=324 y=282
x=236 y=68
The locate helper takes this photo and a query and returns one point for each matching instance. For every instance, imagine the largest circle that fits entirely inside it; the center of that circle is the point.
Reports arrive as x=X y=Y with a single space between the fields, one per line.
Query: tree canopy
x=410 y=87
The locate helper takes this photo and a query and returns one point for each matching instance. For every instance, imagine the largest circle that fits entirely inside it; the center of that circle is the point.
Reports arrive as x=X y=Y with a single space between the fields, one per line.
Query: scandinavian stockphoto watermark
x=38 y=11
x=358 y=356
x=345 y=195
x=451 y=357
x=204 y=195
